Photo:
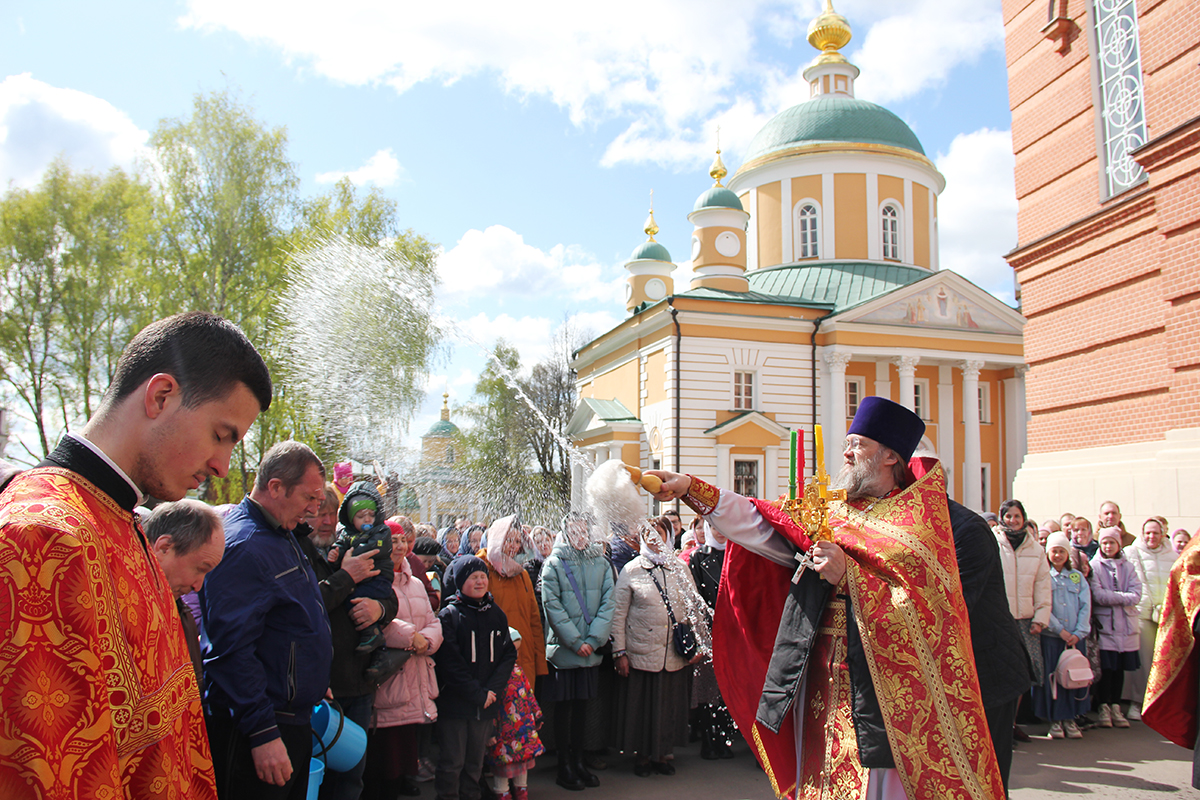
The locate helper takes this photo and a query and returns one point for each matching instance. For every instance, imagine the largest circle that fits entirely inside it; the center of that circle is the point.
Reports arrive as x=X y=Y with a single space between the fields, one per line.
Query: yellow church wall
x=920 y=218
x=618 y=384
x=850 y=222
x=724 y=283
x=748 y=436
x=749 y=451
x=806 y=186
x=631 y=453
x=770 y=232
x=862 y=339
x=656 y=368
x=708 y=248
x=893 y=187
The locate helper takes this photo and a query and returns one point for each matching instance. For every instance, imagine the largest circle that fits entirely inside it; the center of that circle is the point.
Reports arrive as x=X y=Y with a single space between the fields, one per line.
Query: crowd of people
x=163 y=647
x=1095 y=589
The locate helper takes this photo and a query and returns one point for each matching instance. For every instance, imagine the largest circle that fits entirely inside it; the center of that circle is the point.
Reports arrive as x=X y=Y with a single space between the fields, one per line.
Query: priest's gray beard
x=864 y=478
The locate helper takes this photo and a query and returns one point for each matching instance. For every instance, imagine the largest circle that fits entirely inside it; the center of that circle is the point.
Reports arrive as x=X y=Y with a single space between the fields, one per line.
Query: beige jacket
x=641 y=626
x=1026 y=579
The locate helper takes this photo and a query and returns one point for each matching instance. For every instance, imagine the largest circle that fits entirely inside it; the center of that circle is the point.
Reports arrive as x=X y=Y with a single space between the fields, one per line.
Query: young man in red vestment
x=98 y=696
x=855 y=677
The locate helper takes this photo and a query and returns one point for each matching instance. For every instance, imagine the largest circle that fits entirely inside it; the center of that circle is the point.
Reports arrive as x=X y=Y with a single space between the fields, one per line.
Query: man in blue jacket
x=267 y=644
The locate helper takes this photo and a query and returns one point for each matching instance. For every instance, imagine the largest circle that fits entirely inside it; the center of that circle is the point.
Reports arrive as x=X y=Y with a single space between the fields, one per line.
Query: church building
x=817 y=283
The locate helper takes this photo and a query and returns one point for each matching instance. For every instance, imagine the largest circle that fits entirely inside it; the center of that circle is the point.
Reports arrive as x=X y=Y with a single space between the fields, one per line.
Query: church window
x=808 y=223
x=890 y=216
x=745 y=478
x=743 y=391
x=1119 y=95
x=921 y=398
x=854 y=394
x=985 y=403
x=449 y=454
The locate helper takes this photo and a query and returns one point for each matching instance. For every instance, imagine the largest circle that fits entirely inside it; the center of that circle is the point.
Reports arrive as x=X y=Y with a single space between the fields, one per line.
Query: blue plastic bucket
x=316 y=773
x=340 y=741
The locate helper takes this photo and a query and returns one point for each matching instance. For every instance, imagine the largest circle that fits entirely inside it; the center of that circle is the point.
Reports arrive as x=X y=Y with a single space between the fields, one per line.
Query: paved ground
x=1127 y=764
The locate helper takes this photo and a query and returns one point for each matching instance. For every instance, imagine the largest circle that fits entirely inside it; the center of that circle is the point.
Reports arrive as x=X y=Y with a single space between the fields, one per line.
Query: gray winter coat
x=566 y=629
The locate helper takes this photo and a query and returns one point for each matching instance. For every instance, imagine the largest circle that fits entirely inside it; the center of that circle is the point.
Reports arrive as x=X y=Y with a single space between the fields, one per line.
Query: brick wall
x=1111 y=288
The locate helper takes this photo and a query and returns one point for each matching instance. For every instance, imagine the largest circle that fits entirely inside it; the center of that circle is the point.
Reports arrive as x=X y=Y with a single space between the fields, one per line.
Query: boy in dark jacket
x=473 y=667
x=363 y=530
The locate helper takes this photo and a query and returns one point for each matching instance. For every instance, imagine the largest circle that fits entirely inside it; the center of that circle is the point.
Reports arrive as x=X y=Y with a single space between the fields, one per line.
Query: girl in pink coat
x=406 y=700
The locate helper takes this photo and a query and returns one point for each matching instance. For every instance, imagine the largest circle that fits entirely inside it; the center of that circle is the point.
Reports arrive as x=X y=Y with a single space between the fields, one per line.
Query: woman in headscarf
x=652 y=694
x=449 y=540
x=506 y=552
x=577 y=594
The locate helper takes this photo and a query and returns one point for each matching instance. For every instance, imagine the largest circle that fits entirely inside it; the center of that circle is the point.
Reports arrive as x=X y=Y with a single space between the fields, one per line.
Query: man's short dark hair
x=188 y=523
x=671 y=513
x=288 y=462
x=206 y=354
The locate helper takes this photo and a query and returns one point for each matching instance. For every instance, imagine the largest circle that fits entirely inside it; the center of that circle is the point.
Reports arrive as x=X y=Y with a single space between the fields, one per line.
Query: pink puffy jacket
x=407 y=697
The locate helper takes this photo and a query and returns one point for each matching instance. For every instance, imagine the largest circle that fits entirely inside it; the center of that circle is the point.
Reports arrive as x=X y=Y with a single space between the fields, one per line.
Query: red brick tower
x=1104 y=97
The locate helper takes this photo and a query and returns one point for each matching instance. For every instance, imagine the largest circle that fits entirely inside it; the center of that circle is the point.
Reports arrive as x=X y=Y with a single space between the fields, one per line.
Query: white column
x=910 y=249
x=933 y=232
x=600 y=455
x=424 y=499
x=614 y=450
x=828 y=223
x=577 y=482
x=874 y=237
x=907 y=367
x=946 y=427
x=724 y=466
x=771 y=472
x=972 y=467
x=1014 y=426
x=751 y=231
x=835 y=434
x=883 y=380
x=785 y=215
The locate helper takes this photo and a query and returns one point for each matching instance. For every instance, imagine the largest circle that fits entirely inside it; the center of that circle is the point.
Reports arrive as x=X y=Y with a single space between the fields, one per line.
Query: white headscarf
x=497 y=535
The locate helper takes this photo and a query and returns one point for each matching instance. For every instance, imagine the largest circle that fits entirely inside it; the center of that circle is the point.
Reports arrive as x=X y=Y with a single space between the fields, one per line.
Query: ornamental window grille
x=807 y=223
x=1120 y=97
x=891 y=233
x=745 y=478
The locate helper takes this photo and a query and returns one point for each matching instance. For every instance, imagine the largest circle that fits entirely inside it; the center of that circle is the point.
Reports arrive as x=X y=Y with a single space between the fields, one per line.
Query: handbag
x=682 y=634
x=1074 y=671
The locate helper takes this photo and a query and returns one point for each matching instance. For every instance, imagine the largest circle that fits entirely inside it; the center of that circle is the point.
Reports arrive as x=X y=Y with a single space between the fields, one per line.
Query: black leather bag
x=682 y=634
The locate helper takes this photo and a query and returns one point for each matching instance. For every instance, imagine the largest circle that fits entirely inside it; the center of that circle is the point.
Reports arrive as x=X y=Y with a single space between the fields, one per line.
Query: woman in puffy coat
x=1152 y=557
x=405 y=701
x=652 y=696
x=1116 y=591
x=577 y=595
x=506 y=550
x=1027 y=584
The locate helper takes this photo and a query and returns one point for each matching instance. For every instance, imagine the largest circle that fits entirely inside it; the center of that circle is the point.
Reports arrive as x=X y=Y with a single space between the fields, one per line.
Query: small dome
x=718 y=197
x=650 y=250
x=833 y=118
x=443 y=427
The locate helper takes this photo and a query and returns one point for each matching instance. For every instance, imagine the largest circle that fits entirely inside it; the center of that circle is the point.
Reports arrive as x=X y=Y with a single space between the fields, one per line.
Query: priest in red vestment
x=853 y=677
x=1173 y=687
x=98 y=696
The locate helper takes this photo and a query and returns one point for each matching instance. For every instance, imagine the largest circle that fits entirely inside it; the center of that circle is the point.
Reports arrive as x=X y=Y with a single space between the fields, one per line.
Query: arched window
x=890 y=216
x=808 y=223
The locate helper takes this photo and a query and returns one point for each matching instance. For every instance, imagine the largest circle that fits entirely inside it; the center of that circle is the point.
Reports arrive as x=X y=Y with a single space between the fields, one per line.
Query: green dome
x=833 y=118
x=650 y=250
x=443 y=427
x=718 y=197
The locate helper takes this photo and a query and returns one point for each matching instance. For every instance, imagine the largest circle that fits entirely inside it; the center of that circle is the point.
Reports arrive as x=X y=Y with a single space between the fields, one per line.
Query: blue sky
x=523 y=137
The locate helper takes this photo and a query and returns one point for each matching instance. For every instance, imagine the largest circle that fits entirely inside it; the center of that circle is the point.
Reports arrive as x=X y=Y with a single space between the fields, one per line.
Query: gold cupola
x=830 y=72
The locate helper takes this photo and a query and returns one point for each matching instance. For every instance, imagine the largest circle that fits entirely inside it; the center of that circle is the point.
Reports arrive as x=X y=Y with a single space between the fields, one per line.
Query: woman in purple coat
x=1116 y=591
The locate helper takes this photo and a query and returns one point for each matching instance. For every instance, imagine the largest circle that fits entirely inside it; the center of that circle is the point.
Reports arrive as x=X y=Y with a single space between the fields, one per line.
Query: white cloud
x=38 y=122
x=977 y=213
x=896 y=59
x=381 y=169
x=673 y=68
x=496 y=262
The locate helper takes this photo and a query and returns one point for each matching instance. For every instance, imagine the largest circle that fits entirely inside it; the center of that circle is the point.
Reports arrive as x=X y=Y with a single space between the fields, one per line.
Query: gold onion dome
x=650 y=227
x=829 y=32
x=717 y=171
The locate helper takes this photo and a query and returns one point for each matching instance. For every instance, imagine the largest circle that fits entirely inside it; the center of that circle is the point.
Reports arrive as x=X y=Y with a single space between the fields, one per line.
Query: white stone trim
x=785 y=213
x=829 y=208
x=874 y=246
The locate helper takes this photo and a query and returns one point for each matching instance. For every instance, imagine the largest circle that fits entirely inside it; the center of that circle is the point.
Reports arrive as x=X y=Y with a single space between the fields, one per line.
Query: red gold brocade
x=98 y=697
x=902 y=580
x=1174 y=681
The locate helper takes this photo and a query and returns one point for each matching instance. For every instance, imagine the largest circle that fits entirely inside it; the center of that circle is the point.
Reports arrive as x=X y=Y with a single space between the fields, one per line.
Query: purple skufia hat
x=890 y=424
